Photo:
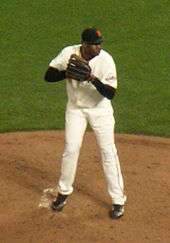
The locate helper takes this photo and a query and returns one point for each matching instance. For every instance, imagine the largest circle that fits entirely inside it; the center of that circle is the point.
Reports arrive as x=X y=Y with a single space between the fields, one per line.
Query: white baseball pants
x=102 y=122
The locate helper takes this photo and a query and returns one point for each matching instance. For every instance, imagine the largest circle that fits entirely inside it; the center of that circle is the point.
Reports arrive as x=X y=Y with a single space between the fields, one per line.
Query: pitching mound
x=30 y=163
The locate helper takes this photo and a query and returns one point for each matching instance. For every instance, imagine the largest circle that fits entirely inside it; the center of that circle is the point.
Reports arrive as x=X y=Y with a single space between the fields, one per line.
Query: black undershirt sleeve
x=104 y=89
x=54 y=75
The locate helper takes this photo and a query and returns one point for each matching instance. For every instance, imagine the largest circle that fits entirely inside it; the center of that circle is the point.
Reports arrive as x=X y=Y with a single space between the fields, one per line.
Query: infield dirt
x=30 y=162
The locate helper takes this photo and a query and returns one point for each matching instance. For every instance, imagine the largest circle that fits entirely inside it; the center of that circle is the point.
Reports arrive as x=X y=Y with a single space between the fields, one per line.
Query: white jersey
x=84 y=94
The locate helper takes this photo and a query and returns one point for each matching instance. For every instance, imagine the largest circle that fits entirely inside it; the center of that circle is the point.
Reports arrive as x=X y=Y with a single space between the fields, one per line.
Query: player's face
x=91 y=50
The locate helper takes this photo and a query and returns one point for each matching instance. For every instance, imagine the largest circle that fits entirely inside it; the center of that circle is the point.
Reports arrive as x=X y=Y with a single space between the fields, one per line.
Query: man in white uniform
x=89 y=102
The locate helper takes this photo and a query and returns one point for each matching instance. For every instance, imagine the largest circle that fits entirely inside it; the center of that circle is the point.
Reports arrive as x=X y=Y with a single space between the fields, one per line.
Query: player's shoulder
x=71 y=49
x=106 y=56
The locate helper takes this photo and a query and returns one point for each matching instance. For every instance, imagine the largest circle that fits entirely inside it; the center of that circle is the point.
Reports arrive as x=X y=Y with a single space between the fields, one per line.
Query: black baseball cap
x=91 y=36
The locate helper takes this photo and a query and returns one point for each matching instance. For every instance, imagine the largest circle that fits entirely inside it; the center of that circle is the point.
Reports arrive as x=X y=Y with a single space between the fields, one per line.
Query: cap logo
x=98 y=33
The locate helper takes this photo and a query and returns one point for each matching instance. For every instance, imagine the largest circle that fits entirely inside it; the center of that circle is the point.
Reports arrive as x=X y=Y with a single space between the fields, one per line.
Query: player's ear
x=83 y=44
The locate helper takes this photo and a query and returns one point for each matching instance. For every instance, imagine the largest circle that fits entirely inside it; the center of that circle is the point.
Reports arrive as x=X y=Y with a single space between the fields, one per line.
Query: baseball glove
x=78 y=68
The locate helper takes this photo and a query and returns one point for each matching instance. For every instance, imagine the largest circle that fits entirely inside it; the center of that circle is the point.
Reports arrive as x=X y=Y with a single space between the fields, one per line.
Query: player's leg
x=75 y=126
x=102 y=122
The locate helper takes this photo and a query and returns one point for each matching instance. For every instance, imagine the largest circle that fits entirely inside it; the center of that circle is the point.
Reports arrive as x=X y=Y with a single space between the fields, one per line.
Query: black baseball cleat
x=117 y=211
x=59 y=203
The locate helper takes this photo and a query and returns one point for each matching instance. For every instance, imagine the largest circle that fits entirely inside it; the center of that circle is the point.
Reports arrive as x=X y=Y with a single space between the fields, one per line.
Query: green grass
x=135 y=33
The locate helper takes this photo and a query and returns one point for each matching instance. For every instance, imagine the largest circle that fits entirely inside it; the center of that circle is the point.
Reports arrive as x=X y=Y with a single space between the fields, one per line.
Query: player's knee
x=108 y=153
x=71 y=149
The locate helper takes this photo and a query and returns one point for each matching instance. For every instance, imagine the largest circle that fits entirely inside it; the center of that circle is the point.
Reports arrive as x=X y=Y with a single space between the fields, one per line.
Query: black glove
x=78 y=69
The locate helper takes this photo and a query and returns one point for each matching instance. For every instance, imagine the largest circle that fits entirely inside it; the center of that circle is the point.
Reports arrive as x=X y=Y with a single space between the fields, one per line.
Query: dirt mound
x=30 y=162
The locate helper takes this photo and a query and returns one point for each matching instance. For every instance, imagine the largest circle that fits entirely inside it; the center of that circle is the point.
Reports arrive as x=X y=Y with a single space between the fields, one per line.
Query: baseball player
x=91 y=84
